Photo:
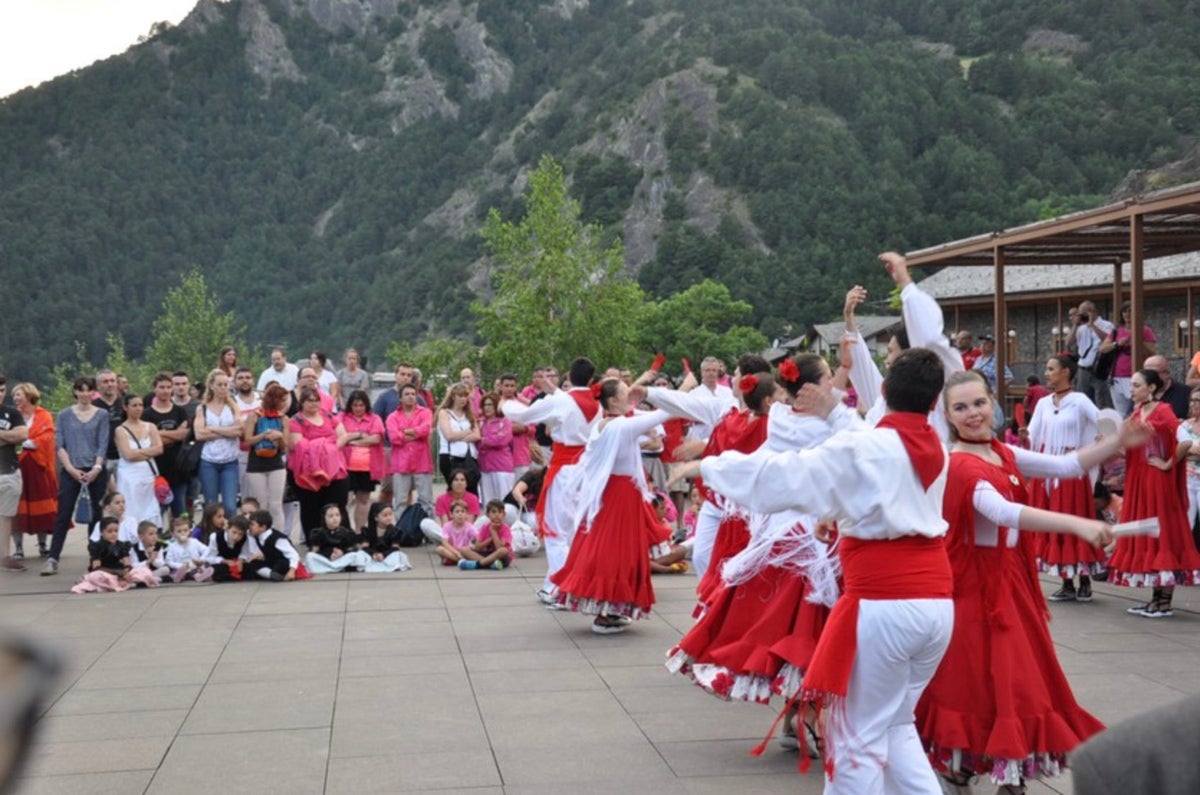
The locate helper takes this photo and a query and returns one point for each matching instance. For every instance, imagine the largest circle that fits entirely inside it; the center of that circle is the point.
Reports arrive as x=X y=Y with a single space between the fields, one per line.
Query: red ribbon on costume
x=747 y=383
x=659 y=361
x=921 y=442
x=595 y=389
x=788 y=371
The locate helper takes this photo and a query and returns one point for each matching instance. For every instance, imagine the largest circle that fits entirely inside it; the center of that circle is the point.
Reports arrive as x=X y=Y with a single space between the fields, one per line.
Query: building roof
x=868 y=325
x=1029 y=280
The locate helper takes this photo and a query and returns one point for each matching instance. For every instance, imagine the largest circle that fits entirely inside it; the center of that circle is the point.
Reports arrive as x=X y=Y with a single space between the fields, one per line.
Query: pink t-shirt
x=1123 y=366
x=442 y=506
x=458 y=537
x=484 y=535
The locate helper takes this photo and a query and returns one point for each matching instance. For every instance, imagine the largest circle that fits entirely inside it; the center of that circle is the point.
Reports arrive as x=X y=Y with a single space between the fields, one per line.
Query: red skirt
x=39 y=498
x=755 y=640
x=1000 y=698
x=607 y=571
x=1144 y=561
x=733 y=534
x=1065 y=554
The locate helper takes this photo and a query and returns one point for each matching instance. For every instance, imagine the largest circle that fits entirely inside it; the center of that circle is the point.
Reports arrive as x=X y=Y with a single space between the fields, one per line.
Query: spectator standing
x=280 y=370
x=1189 y=434
x=316 y=461
x=985 y=363
x=710 y=388
x=408 y=431
x=138 y=444
x=522 y=449
x=266 y=431
x=80 y=443
x=108 y=400
x=474 y=392
x=363 y=454
x=495 y=451
x=1088 y=334
x=173 y=429
x=218 y=425
x=247 y=400
x=1174 y=394
x=307 y=379
x=458 y=431
x=965 y=344
x=39 y=481
x=327 y=379
x=424 y=396
x=1121 y=340
x=227 y=362
x=1034 y=391
x=1193 y=374
x=389 y=400
x=13 y=435
x=352 y=377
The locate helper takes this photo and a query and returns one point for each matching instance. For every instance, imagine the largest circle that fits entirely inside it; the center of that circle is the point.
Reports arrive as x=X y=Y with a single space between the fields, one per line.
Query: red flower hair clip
x=748 y=383
x=788 y=371
x=595 y=389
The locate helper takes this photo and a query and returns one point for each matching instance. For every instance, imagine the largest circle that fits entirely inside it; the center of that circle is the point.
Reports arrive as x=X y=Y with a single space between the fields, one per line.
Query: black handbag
x=187 y=460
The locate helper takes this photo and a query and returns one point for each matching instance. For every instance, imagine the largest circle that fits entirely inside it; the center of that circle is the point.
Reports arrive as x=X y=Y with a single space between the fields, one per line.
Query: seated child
x=1108 y=505
x=335 y=547
x=185 y=555
x=381 y=541
x=211 y=521
x=149 y=552
x=114 y=505
x=457 y=535
x=109 y=567
x=272 y=557
x=248 y=506
x=695 y=503
x=229 y=549
x=492 y=547
x=665 y=557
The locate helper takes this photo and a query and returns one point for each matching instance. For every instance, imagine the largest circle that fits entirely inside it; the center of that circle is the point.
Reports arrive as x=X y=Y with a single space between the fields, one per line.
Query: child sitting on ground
x=381 y=541
x=149 y=552
x=248 y=506
x=229 y=549
x=273 y=557
x=109 y=567
x=666 y=558
x=114 y=505
x=212 y=521
x=492 y=547
x=695 y=503
x=185 y=555
x=1108 y=505
x=335 y=547
x=457 y=535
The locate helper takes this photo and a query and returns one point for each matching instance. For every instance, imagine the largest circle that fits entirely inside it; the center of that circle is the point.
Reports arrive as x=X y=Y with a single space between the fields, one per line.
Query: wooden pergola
x=1156 y=225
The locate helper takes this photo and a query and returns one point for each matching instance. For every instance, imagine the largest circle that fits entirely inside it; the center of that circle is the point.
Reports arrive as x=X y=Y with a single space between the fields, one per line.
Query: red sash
x=588 y=405
x=561 y=455
x=911 y=567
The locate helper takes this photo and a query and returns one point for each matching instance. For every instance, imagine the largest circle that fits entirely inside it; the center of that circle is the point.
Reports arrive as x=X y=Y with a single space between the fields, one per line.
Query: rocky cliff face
x=1184 y=170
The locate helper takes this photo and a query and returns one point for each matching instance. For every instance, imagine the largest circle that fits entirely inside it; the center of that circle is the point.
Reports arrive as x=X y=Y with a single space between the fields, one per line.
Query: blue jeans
x=222 y=479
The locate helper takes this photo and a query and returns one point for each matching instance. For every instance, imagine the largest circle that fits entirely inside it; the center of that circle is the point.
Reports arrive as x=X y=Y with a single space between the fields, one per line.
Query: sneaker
x=12 y=564
x=498 y=565
x=18 y=554
x=50 y=567
x=1063 y=594
x=601 y=626
x=546 y=598
x=555 y=606
x=467 y=565
x=276 y=577
x=1156 y=611
x=1138 y=610
x=1084 y=594
x=787 y=738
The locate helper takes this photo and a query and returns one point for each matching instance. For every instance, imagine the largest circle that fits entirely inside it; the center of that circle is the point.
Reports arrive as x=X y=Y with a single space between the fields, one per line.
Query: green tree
x=558 y=292
x=191 y=330
x=440 y=360
x=703 y=320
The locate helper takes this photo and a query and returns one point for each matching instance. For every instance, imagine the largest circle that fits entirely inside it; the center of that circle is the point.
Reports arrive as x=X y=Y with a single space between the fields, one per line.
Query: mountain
x=327 y=163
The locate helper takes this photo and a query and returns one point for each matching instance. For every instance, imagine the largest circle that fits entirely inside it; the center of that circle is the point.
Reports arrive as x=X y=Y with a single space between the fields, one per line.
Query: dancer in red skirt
x=1064 y=422
x=1155 y=486
x=721 y=531
x=999 y=702
x=763 y=625
x=607 y=572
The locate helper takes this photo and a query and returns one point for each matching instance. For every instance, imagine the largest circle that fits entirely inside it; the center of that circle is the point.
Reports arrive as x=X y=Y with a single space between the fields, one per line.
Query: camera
x=1085 y=318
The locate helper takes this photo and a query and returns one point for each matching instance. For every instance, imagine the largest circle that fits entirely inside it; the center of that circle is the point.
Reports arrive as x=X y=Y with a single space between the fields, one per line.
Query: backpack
x=409 y=525
x=265 y=448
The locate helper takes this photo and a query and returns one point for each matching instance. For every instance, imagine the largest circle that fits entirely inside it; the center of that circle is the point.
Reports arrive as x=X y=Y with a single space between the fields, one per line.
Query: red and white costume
x=999 y=703
x=1171 y=558
x=1061 y=424
x=607 y=571
x=761 y=628
x=568 y=415
x=886 y=635
x=733 y=428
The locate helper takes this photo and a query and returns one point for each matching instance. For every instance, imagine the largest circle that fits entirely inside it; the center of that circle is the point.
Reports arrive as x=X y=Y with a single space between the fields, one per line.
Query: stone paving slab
x=443 y=681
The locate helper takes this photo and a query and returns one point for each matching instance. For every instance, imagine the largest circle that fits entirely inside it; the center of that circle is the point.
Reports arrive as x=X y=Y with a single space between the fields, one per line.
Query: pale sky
x=41 y=39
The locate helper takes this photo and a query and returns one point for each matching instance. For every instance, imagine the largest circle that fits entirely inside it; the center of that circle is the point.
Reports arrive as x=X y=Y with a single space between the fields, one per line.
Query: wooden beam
x=1000 y=324
x=1136 y=277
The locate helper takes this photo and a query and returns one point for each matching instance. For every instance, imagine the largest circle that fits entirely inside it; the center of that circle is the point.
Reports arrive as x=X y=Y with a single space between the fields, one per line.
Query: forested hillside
x=328 y=163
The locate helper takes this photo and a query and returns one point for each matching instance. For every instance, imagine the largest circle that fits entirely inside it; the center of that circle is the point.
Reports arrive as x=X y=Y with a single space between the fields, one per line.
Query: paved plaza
x=439 y=680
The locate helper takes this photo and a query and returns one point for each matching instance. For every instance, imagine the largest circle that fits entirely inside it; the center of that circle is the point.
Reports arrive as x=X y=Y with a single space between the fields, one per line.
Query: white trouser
x=557 y=547
x=707 y=523
x=1122 y=395
x=877 y=751
x=1193 y=491
x=494 y=486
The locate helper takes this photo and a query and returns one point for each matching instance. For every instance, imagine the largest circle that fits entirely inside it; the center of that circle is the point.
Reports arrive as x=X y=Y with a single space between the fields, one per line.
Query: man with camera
x=1089 y=332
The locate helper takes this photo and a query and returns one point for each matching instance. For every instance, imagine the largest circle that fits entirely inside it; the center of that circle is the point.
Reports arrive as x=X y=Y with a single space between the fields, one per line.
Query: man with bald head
x=1174 y=394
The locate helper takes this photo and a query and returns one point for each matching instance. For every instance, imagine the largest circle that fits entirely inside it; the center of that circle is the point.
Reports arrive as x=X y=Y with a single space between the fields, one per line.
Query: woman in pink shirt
x=363 y=453
x=411 y=466
x=495 y=450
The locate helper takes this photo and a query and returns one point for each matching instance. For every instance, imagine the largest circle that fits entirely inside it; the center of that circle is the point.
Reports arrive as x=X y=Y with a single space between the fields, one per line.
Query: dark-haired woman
x=763 y=624
x=267 y=433
x=316 y=461
x=138 y=444
x=227 y=361
x=1155 y=487
x=1063 y=422
x=363 y=453
x=458 y=431
x=81 y=444
x=607 y=573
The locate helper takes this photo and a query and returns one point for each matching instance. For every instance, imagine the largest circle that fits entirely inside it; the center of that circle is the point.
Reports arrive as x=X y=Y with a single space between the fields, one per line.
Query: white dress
x=135 y=480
